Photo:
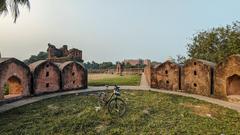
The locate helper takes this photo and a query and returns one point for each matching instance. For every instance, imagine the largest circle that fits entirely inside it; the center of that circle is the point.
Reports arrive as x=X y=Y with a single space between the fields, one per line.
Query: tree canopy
x=34 y=58
x=12 y=6
x=216 y=44
x=103 y=65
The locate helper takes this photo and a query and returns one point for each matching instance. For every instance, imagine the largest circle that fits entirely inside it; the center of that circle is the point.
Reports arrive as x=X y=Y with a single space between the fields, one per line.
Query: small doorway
x=13 y=87
x=233 y=85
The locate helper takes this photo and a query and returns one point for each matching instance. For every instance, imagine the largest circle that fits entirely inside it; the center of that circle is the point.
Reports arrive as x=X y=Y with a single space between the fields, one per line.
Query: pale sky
x=113 y=30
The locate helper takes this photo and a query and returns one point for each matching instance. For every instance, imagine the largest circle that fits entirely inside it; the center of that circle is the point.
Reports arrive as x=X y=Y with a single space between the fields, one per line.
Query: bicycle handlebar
x=117 y=88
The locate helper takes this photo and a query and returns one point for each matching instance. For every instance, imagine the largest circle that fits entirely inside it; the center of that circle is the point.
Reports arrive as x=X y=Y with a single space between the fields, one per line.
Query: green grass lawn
x=103 y=79
x=147 y=113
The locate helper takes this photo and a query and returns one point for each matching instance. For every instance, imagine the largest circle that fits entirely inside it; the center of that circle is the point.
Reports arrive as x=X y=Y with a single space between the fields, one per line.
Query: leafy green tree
x=34 y=58
x=181 y=59
x=12 y=6
x=216 y=44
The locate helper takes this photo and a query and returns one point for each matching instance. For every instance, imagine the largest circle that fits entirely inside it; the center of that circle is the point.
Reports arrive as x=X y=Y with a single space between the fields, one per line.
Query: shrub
x=6 y=89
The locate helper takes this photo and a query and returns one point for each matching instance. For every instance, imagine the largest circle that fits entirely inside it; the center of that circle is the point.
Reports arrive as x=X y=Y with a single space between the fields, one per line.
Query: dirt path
x=8 y=106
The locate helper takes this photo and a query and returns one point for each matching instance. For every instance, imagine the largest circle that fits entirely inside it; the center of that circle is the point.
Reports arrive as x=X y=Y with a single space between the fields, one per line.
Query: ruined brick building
x=227 y=77
x=74 y=75
x=15 y=78
x=63 y=70
x=135 y=62
x=167 y=76
x=63 y=54
x=46 y=76
x=198 y=77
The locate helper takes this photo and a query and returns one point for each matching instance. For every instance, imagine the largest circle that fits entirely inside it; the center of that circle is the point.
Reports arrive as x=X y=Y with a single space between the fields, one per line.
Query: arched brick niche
x=15 y=78
x=46 y=77
x=227 y=77
x=168 y=76
x=74 y=75
x=197 y=77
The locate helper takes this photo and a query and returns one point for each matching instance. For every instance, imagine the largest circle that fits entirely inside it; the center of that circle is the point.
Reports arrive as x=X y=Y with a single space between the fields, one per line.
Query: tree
x=34 y=58
x=216 y=44
x=181 y=59
x=12 y=6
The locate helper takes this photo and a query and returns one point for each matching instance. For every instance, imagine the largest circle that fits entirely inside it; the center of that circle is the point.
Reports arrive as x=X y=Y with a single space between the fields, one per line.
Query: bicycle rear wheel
x=117 y=107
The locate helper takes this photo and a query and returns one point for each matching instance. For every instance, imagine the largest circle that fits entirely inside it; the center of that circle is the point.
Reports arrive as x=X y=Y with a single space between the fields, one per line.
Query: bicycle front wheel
x=117 y=107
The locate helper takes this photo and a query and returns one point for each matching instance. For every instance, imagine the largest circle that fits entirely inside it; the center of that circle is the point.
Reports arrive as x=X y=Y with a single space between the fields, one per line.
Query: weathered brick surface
x=46 y=77
x=227 y=77
x=74 y=75
x=197 y=77
x=167 y=76
x=17 y=75
x=153 y=78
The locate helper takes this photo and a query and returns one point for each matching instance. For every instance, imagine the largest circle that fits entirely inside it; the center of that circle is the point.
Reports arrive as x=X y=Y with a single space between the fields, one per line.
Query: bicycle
x=116 y=106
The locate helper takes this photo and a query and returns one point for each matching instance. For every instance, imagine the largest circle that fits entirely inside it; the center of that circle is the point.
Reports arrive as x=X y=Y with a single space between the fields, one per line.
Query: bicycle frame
x=113 y=94
x=111 y=97
x=109 y=101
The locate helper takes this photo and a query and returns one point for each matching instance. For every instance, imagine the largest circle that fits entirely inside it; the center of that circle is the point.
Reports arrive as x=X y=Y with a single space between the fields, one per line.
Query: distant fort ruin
x=63 y=54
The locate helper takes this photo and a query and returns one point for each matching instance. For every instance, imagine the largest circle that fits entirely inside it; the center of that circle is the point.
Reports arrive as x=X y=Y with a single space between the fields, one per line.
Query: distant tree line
x=108 y=65
x=128 y=65
x=103 y=65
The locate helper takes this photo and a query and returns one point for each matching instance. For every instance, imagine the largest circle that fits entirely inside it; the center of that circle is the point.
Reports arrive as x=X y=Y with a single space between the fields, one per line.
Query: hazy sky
x=111 y=30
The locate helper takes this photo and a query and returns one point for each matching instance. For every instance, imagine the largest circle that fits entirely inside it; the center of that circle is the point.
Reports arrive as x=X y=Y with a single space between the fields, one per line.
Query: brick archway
x=233 y=85
x=13 y=87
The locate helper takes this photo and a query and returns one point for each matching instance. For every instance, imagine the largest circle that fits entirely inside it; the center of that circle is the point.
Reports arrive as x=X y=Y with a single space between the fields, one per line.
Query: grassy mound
x=148 y=113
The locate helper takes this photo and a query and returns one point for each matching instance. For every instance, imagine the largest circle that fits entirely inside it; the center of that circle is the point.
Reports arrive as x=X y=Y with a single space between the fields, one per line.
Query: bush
x=6 y=89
